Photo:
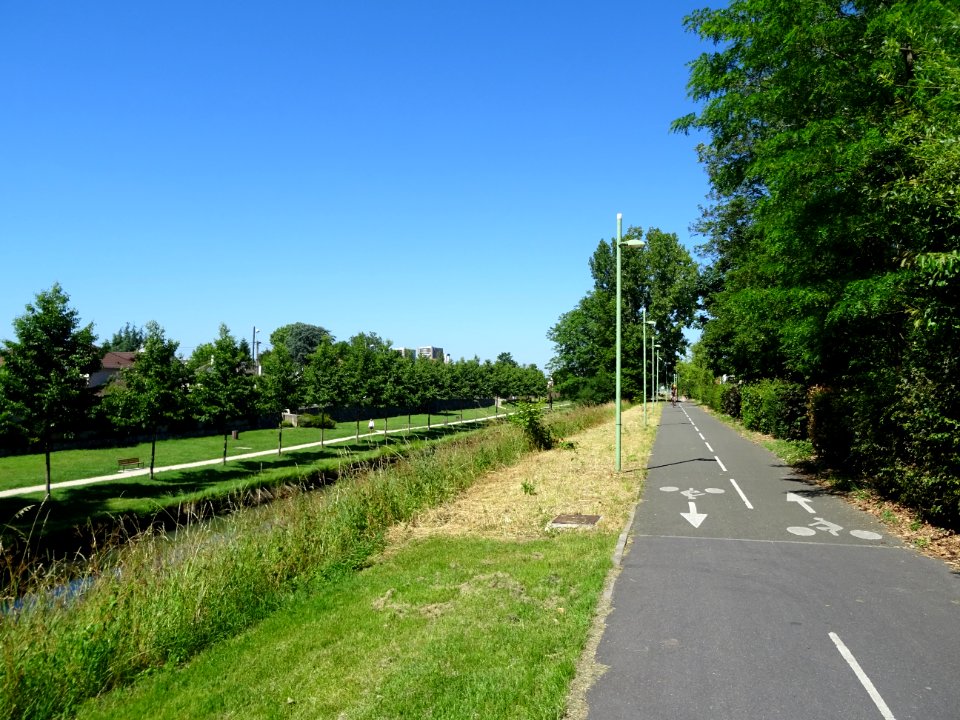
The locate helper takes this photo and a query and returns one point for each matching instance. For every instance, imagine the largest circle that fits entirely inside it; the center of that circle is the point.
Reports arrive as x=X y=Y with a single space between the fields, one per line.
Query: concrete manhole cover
x=564 y=522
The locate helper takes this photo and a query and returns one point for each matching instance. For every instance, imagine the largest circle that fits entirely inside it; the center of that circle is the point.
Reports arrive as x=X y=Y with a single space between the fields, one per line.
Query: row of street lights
x=654 y=356
x=620 y=244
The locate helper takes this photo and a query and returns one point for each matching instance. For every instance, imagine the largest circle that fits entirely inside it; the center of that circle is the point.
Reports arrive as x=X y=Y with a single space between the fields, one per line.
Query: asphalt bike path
x=747 y=593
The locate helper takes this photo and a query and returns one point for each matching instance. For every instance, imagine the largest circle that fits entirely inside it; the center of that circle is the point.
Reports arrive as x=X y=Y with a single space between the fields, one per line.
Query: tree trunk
x=224 y=446
x=280 y=437
x=46 y=452
x=153 y=451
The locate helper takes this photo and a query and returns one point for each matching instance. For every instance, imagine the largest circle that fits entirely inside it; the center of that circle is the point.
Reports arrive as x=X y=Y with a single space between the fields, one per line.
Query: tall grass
x=165 y=598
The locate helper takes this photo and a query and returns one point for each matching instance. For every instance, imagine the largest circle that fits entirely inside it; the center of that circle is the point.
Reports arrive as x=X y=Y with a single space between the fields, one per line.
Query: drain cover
x=574 y=521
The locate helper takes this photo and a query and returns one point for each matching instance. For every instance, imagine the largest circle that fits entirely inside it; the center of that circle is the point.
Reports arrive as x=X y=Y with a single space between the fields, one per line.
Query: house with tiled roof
x=111 y=365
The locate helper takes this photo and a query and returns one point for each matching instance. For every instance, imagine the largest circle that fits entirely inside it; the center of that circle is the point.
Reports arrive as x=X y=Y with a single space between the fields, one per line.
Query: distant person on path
x=371 y=425
x=673 y=395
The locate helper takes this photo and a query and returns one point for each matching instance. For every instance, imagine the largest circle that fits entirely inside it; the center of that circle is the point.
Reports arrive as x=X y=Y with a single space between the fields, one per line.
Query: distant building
x=406 y=352
x=430 y=352
x=111 y=365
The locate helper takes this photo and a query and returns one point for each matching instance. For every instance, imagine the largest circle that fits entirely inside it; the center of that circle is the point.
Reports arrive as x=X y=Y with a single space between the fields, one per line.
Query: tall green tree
x=153 y=391
x=301 y=340
x=660 y=277
x=44 y=373
x=222 y=388
x=323 y=377
x=835 y=174
x=280 y=386
x=129 y=338
x=832 y=159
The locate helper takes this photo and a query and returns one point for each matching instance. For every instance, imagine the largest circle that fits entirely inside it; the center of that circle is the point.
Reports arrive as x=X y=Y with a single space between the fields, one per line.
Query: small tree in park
x=222 y=388
x=44 y=373
x=152 y=392
x=280 y=386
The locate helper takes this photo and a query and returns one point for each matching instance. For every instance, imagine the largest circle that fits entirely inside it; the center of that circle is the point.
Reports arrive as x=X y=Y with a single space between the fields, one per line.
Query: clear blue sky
x=436 y=172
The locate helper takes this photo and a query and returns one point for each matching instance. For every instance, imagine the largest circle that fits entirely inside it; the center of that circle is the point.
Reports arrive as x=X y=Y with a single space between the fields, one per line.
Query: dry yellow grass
x=518 y=502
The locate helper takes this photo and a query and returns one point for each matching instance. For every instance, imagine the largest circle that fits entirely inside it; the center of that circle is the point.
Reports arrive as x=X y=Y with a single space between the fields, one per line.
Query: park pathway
x=750 y=594
x=123 y=474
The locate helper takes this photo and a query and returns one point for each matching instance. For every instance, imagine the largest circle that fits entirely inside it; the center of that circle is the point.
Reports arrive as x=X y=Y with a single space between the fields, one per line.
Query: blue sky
x=436 y=172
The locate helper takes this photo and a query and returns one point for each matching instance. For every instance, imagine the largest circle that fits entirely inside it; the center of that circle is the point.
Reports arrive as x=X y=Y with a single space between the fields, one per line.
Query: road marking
x=740 y=493
x=693 y=517
x=800 y=500
x=862 y=677
x=701 y=436
x=720 y=463
x=708 y=446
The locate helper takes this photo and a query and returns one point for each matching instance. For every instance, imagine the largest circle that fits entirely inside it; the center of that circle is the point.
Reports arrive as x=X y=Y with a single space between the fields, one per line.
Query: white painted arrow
x=693 y=517
x=792 y=497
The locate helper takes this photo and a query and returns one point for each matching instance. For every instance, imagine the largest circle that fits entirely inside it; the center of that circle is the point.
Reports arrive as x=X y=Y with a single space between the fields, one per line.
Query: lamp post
x=652 y=324
x=620 y=244
x=656 y=373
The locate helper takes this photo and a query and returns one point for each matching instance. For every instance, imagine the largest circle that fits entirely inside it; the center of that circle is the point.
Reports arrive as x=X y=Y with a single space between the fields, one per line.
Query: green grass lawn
x=29 y=470
x=444 y=628
x=139 y=495
x=30 y=515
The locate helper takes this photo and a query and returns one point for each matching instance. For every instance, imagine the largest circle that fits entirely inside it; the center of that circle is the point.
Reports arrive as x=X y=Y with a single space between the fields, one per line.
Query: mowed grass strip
x=449 y=628
x=473 y=610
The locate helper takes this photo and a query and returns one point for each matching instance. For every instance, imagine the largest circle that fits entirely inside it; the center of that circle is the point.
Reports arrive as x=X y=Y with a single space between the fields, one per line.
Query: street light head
x=633 y=243
x=619 y=216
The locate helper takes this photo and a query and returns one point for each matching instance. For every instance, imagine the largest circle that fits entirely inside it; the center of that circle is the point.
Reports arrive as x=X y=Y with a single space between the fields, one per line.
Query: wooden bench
x=129 y=464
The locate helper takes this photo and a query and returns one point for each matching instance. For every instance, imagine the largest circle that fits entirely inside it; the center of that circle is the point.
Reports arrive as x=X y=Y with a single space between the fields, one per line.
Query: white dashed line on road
x=862 y=677
x=740 y=493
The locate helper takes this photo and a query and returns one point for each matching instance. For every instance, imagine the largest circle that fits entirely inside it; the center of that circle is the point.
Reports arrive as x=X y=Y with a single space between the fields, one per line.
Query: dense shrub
x=828 y=428
x=316 y=421
x=529 y=418
x=926 y=416
x=775 y=407
x=730 y=398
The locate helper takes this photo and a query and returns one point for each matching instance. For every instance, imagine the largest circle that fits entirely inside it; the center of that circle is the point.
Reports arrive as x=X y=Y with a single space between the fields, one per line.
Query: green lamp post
x=620 y=244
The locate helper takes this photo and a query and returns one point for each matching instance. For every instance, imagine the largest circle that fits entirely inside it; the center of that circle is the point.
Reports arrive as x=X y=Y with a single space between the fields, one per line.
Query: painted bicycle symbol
x=692 y=516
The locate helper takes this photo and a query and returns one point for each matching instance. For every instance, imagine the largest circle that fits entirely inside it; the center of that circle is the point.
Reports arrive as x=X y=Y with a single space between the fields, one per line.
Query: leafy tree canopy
x=45 y=371
x=129 y=338
x=659 y=277
x=301 y=340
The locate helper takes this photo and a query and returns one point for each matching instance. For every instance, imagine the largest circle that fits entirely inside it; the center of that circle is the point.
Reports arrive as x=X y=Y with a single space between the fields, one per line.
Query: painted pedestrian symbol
x=692 y=516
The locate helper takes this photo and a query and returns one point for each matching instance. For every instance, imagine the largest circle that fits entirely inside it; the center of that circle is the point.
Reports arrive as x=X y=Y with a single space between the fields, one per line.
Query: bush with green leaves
x=529 y=418
x=321 y=420
x=775 y=407
x=730 y=398
x=828 y=426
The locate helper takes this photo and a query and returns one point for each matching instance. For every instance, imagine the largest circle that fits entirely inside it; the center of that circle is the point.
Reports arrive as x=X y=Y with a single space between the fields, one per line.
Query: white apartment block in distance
x=433 y=353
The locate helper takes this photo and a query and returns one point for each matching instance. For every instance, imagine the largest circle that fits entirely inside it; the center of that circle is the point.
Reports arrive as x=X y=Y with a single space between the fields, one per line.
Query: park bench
x=129 y=463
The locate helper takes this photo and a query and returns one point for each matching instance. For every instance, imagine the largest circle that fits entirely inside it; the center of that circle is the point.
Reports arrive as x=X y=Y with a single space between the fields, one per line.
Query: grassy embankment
x=490 y=621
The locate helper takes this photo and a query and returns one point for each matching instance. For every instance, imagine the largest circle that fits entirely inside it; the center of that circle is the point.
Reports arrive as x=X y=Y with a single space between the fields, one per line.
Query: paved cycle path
x=749 y=594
